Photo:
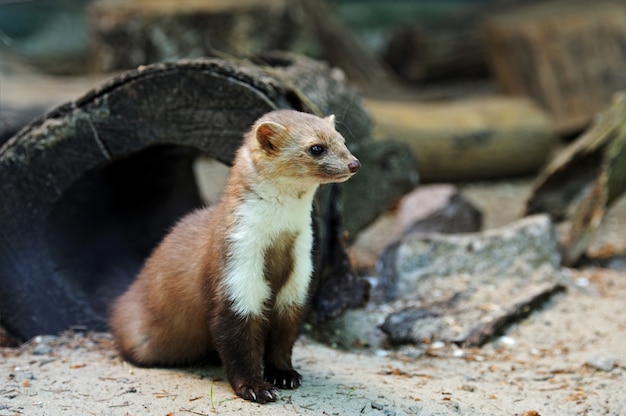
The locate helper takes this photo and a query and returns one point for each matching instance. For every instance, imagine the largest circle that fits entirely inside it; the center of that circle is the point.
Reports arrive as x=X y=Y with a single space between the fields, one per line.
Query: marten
x=233 y=278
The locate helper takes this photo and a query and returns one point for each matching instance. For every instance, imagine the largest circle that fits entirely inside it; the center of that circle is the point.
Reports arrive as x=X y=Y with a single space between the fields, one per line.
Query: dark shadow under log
x=90 y=188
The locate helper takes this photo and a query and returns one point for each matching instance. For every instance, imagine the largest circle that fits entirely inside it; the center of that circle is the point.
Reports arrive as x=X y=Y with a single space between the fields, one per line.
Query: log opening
x=100 y=231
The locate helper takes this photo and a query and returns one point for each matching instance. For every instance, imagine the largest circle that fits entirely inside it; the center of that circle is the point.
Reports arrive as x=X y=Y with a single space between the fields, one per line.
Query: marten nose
x=354 y=165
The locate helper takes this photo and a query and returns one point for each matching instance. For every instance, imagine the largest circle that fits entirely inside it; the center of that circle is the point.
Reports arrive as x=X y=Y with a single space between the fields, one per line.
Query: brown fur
x=178 y=310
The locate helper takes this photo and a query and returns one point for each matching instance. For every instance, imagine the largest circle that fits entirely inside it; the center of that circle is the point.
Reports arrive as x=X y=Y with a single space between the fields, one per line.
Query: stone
x=438 y=208
x=42 y=349
x=427 y=208
x=601 y=363
x=505 y=251
x=468 y=288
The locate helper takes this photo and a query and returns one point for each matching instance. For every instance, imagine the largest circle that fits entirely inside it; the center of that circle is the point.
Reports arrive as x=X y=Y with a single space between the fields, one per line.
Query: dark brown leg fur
x=283 y=331
x=241 y=352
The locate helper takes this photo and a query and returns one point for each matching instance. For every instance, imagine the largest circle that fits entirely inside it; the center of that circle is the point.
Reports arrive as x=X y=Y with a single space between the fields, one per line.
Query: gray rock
x=507 y=251
x=400 y=326
x=354 y=328
x=468 y=288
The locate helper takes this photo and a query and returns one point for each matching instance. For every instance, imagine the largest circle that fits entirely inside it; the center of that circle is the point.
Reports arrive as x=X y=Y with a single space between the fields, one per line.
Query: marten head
x=301 y=146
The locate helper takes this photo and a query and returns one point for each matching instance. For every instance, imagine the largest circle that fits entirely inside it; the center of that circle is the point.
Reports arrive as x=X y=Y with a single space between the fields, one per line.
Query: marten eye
x=317 y=150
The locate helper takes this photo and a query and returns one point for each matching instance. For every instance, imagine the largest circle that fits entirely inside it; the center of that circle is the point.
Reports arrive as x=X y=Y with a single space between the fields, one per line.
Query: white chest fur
x=259 y=222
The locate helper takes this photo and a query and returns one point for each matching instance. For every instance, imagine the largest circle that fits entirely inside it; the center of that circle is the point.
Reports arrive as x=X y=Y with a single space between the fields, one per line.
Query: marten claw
x=283 y=379
x=263 y=393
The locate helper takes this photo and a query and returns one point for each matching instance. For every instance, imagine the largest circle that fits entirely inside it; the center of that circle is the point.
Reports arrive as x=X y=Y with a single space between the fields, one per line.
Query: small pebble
x=582 y=282
x=601 y=363
x=22 y=375
x=437 y=345
x=507 y=340
x=42 y=349
x=377 y=406
x=389 y=413
x=43 y=339
x=412 y=352
x=458 y=353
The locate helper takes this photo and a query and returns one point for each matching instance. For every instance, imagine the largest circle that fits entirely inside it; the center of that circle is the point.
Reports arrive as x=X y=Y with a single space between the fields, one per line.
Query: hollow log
x=91 y=187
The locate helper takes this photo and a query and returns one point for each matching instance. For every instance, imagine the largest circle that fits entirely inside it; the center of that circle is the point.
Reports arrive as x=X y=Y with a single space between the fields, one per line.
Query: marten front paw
x=283 y=379
x=260 y=392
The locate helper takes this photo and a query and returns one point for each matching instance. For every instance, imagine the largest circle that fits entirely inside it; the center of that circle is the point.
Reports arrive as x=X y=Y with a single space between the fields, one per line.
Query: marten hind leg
x=279 y=346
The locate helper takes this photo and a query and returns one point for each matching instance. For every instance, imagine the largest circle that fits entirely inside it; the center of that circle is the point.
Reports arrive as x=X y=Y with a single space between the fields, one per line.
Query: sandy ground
x=568 y=359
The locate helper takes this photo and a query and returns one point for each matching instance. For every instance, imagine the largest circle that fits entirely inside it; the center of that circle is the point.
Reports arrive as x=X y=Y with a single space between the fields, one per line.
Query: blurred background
x=478 y=89
x=550 y=65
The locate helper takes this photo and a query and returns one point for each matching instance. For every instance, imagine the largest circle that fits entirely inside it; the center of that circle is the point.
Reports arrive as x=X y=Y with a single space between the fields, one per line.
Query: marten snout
x=354 y=165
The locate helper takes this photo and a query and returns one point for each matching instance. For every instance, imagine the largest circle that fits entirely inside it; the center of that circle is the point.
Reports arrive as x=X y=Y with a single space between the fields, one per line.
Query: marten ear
x=331 y=119
x=268 y=135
